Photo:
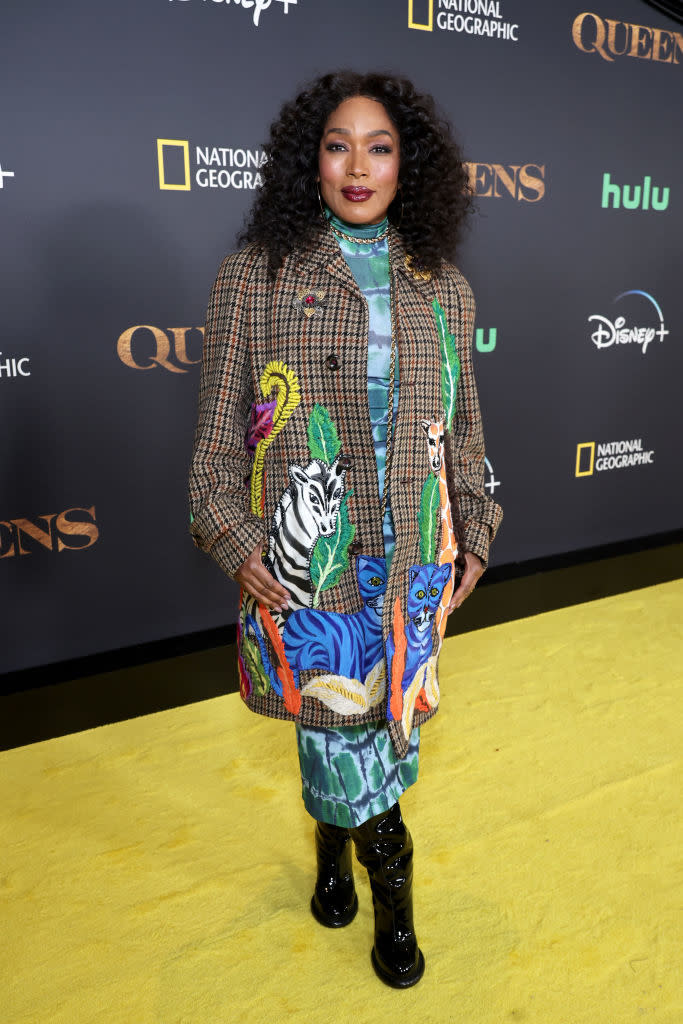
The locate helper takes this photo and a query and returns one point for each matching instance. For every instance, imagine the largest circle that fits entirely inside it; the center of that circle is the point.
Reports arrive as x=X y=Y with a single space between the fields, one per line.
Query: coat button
x=344 y=462
x=332 y=363
x=355 y=548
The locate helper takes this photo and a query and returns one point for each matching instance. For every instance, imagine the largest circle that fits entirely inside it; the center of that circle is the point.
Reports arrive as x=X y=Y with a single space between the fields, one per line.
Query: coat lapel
x=401 y=267
x=324 y=255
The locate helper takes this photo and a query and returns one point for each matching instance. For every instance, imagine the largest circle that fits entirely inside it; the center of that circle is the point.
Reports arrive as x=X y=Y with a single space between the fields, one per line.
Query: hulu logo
x=634 y=197
x=480 y=341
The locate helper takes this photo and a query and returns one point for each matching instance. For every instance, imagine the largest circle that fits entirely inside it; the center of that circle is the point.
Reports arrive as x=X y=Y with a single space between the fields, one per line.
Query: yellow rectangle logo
x=429 y=26
x=581 y=449
x=185 y=146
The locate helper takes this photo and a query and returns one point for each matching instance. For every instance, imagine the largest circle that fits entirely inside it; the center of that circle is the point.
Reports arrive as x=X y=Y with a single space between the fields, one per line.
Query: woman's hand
x=473 y=570
x=257 y=581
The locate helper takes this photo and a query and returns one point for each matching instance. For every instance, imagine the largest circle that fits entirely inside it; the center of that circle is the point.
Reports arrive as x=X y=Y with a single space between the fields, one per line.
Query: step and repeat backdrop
x=130 y=149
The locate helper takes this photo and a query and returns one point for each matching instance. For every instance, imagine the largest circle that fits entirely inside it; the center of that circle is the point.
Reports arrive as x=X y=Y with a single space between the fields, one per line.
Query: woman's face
x=358 y=161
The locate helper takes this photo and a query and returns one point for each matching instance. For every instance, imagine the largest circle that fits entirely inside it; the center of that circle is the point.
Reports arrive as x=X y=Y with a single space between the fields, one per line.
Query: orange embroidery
x=290 y=694
x=398 y=662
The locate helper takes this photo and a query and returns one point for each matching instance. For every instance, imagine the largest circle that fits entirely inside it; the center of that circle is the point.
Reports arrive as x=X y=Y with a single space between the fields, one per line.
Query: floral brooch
x=419 y=275
x=310 y=303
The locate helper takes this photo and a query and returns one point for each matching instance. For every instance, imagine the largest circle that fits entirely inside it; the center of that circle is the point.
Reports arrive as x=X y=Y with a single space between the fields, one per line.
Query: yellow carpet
x=159 y=870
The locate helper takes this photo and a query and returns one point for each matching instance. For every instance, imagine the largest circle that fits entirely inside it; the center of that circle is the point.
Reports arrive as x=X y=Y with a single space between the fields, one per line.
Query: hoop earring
x=320 y=202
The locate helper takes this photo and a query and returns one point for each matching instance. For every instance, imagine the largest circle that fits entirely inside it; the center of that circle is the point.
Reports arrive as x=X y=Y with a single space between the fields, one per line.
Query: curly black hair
x=435 y=196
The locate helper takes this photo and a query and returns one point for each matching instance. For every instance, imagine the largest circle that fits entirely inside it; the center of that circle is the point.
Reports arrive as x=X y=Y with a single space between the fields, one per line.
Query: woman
x=332 y=472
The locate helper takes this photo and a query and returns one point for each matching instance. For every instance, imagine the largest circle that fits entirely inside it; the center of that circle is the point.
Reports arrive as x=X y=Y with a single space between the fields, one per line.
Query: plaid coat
x=284 y=458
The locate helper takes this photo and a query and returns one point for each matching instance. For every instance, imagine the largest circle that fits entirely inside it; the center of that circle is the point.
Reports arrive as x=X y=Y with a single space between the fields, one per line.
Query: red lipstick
x=357 y=193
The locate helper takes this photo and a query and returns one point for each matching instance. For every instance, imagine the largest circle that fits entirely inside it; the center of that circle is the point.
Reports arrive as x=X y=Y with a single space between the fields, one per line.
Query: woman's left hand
x=473 y=570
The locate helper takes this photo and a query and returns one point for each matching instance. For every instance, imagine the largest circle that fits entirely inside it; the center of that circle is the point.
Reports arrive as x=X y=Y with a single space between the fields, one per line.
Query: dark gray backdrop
x=91 y=246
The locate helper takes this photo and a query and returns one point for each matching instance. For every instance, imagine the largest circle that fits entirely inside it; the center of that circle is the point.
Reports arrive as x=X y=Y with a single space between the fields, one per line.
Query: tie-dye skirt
x=351 y=774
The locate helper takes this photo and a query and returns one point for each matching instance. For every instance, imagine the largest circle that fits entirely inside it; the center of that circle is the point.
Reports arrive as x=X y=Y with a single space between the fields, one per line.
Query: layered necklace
x=361 y=241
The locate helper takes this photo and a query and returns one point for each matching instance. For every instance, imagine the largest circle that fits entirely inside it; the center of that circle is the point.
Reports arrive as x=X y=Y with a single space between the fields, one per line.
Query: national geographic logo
x=72 y=530
x=14 y=367
x=167 y=349
x=600 y=458
x=210 y=166
x=610 y=39
x=471 y=17
x=523 y=182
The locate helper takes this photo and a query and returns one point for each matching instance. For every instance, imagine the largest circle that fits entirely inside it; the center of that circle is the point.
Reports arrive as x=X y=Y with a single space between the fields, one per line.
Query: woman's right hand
x=257 y=581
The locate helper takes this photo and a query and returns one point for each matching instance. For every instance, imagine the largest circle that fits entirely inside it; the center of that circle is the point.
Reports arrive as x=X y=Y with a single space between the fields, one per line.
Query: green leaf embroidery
x=429 y=508
x=330 y=557
x=450 y=364
x=254 y=666
x=323 y=439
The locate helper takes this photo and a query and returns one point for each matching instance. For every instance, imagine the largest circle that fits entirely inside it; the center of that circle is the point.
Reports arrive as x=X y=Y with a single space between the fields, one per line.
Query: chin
x=359 y=213
x=364 y=218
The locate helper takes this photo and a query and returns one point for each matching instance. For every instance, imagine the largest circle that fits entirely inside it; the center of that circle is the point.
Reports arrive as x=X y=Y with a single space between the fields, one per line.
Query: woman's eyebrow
x=347 y=131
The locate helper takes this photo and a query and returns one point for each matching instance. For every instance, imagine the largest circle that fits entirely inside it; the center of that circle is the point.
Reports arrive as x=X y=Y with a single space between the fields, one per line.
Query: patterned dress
x=352 y=773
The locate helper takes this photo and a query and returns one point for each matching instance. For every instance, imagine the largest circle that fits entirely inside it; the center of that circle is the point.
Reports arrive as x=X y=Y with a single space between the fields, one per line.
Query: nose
x=357 y=165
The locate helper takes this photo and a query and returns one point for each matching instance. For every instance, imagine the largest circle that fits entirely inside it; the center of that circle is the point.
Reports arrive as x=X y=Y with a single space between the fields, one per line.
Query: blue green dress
x=350 y=774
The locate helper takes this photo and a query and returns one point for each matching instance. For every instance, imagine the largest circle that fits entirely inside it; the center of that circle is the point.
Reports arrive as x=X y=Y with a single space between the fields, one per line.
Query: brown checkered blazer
x=252 y=320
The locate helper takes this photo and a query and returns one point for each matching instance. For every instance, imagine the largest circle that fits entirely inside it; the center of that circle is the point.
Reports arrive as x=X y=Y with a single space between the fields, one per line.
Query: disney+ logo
x=257 y=6
x=616 y=332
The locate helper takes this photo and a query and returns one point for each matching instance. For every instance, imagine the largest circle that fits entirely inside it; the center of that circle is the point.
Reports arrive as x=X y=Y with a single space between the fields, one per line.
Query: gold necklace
x=361 y=241
x=393 y=312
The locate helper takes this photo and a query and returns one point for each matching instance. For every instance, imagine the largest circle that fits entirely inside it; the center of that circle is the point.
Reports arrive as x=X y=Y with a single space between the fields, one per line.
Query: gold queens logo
x=72 y=530
x=211 y=166
x=610 y=39
x=523 y=182
x=145 y=347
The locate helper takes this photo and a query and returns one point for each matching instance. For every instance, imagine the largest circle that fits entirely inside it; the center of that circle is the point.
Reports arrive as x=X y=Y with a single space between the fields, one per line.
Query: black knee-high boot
x=384 y=847
x=334 y=902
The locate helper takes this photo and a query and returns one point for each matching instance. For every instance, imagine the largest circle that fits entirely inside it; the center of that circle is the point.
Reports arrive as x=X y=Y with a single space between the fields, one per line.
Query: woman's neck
x=357 y=230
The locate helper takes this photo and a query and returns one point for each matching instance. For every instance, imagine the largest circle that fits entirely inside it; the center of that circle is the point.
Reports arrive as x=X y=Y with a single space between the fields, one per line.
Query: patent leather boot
x=334 y=902
x=385 y=849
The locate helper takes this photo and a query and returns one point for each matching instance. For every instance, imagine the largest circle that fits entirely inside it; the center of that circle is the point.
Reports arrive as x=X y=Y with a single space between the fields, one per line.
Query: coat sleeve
x=465 y=453
x=221 y=519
